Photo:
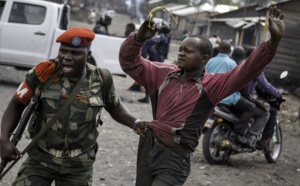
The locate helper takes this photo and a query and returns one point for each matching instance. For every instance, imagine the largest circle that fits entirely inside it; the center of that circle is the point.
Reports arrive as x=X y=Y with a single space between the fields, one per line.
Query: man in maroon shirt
x=183 y=96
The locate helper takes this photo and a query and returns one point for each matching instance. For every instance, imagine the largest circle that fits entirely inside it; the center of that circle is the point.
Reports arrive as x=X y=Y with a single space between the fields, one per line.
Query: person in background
x=238 y=54
x=260 y=115
x=67 y=151
x=243 y=107
x=183 y=97
x=157 y=48
x=215 y=40
x=231 y=47
x=129 y=28
x=102 y=24
x=266 y=89
x=92 y=16
x=184 y=35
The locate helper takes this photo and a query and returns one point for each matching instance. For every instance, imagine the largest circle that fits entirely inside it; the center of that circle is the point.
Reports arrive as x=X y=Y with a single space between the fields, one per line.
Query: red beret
x=76 y=37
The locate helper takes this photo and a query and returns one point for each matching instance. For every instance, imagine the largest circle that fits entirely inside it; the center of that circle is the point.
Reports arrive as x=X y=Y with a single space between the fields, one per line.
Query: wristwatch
x=135 y=124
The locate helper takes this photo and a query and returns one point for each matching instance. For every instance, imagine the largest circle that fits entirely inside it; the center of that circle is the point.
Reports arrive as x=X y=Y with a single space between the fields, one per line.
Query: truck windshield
x=27 y=14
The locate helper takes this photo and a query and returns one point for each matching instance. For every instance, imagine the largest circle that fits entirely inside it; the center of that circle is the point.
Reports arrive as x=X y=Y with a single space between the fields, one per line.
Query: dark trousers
x=261 y=117
x=244 y=108
x=270 y=126
x=158 y=165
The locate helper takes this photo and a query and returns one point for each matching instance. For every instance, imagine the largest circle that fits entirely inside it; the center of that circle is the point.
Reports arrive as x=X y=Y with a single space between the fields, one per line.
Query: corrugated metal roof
x=236 y=23
x=272 y=3
x=206 y=7
x=154 y=1
x=176 y=7
x=224 y=8
x=253 y=19
x=249 y=25
x=185 y=11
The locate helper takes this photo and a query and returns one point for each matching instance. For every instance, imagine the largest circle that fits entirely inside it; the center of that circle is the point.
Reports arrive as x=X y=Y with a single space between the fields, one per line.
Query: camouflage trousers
x=41 y=168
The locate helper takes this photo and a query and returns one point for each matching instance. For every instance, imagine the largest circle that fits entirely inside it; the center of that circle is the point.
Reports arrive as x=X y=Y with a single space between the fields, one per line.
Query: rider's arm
x=267 y=86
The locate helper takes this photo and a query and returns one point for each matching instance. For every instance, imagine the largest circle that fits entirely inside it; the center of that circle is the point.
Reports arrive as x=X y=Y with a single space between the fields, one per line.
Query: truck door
x=26 y=34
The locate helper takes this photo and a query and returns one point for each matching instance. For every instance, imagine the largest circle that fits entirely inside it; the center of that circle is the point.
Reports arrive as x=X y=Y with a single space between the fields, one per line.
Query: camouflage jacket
x=77 y=127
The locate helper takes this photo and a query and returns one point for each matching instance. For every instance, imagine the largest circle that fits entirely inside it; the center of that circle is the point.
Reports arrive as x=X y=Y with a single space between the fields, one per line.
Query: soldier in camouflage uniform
x=66 y=153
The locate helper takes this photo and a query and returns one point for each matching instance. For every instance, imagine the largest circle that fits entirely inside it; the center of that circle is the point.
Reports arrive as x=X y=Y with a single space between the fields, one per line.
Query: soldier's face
x=72 y=60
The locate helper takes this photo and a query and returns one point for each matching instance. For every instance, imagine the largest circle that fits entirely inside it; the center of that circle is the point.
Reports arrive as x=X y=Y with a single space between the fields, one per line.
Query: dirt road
x=116 y=157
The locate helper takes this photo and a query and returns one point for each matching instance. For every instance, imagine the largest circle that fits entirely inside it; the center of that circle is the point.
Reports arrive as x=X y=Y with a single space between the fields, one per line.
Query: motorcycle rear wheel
x=276 y=146
x=211 y=140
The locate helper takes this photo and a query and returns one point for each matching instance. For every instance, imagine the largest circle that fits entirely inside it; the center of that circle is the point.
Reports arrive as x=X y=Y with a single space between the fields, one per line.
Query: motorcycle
x=218 y=147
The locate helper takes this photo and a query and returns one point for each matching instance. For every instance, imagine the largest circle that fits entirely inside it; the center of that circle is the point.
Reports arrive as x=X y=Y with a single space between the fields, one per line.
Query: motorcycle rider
x=243 y=107
x=238 y=54
x=92 y=16
x=260 y=116
x=262 y=84
x=102 y=24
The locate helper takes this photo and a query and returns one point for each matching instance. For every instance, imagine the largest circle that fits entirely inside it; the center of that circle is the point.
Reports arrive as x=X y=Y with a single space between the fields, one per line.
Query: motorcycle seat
x=226 y=112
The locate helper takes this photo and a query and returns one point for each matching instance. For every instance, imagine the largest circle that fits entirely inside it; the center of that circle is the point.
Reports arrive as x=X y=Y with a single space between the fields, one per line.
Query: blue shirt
x=220 y=64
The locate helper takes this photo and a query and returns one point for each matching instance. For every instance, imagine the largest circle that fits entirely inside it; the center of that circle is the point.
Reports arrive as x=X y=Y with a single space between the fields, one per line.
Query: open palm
x=276 y=23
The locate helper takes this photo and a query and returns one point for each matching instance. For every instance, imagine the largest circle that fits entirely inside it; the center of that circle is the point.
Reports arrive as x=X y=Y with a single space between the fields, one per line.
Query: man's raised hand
x=276 y=27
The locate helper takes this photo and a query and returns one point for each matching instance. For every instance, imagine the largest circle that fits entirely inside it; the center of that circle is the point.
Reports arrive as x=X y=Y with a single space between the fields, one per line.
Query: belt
x=161 y=141
x=63 y=154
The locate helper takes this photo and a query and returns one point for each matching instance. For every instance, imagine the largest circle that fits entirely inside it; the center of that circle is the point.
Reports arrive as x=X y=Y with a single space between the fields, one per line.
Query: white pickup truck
x=29 y=28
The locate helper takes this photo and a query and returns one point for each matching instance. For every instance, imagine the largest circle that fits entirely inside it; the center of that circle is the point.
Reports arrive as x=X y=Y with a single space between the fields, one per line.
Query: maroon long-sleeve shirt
x=183 y=108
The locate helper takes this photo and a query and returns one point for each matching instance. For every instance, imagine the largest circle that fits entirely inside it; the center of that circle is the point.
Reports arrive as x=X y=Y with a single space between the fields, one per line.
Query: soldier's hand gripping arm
x=276 y=27
x=10 y=120
x=121 y=114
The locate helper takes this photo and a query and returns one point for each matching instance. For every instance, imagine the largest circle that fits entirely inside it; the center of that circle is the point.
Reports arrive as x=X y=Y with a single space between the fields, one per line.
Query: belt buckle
x=65 y=154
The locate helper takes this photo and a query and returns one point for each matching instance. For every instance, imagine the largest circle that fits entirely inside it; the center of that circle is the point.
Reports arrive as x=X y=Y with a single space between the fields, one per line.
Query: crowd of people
x=182 y=98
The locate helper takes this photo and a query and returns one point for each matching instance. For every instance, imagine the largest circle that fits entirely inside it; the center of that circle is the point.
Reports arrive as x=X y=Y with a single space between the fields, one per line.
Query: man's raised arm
x=236 y=79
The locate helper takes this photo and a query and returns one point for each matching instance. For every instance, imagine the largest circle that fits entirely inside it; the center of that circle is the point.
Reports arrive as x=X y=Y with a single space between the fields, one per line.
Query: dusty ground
x=116 y=157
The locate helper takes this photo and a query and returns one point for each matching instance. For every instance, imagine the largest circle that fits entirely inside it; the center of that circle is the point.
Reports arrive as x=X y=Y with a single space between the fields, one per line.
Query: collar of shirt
x=179 y=72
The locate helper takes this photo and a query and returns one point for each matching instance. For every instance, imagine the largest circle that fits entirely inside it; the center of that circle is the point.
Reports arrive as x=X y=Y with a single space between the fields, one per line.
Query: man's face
x=190 y=57
x=72 y=60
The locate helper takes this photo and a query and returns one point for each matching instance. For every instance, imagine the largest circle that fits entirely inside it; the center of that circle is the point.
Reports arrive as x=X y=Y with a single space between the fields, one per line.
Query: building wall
x=223 y=30
x=288 y=53
x=250 y=35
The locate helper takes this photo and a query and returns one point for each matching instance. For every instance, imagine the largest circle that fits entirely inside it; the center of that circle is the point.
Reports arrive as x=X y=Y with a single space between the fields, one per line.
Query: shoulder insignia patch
x=44 y=70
